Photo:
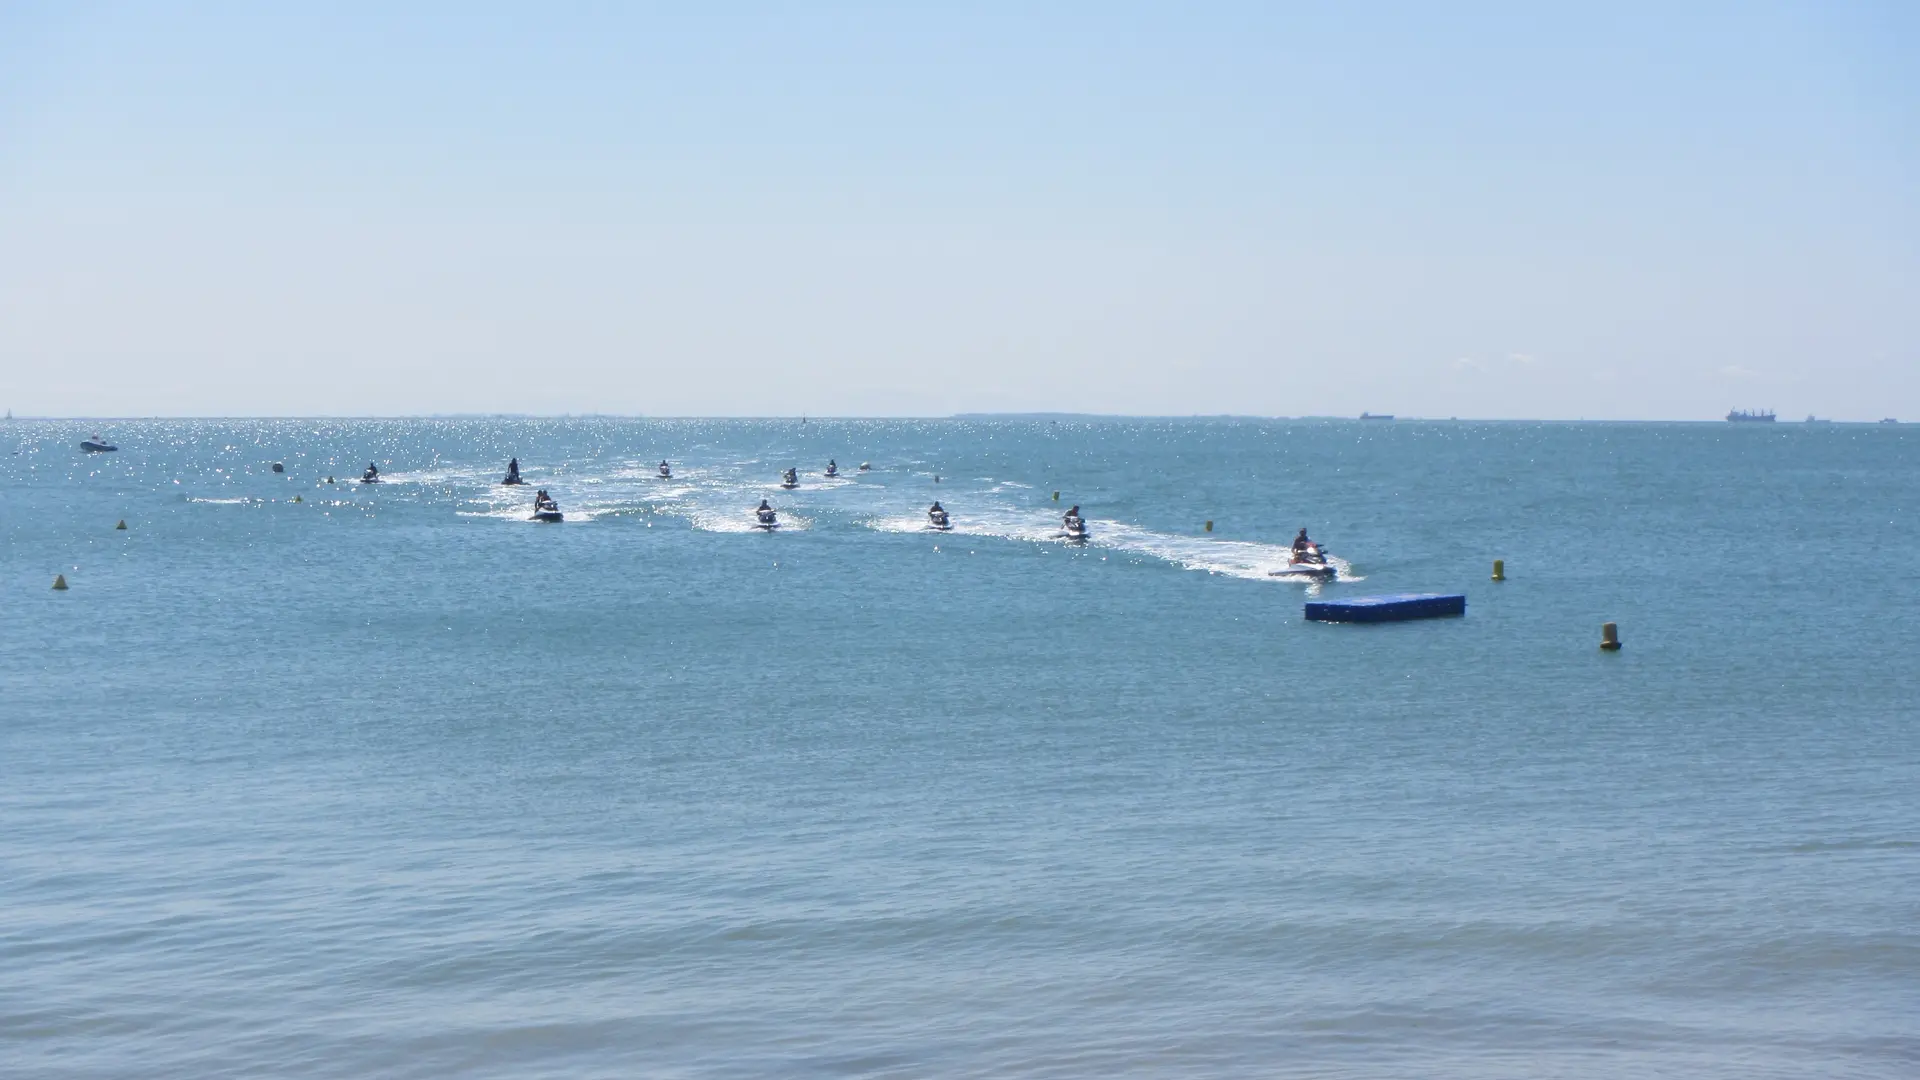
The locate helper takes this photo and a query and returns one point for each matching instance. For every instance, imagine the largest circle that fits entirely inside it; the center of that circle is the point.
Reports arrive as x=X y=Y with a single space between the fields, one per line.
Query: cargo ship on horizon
x=1742 y=416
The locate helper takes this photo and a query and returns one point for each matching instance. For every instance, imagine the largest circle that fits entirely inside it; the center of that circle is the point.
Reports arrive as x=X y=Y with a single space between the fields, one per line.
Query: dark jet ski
x=790 y=479
x=666 y=471
x=545 y=509
x=765 y=518
x=513 y=474
x=1307 y=563
x=937 y=519
x=372 y=475
x=833 y=468
x=1073 y=527
x=97 y=445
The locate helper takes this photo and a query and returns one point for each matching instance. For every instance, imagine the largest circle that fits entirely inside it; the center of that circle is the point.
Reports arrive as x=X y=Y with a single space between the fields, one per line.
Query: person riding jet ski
x=372 y=475
x=790 y=478
x=1306 y=551
x=1074 y=524
x=665 y=472
x=513 y=472
x=833 y=467
x=937 y=516
x=544 y=508
x=764 y=516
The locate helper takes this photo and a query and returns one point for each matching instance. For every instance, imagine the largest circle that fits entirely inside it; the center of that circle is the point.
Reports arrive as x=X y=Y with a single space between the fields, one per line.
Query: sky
x=1602 y=211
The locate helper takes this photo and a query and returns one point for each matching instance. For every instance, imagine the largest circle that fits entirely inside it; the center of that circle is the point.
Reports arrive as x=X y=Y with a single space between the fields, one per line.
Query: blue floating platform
x=1392 y=608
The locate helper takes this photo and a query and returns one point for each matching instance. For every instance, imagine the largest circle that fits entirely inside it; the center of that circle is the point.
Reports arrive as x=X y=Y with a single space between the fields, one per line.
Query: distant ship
x=1376 y=416
x=1889 y=420
x=1742 y=416
x=1812 y=419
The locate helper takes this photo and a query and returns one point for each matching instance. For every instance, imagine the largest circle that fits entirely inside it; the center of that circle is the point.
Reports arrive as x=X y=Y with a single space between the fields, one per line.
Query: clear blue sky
x=1657 y=210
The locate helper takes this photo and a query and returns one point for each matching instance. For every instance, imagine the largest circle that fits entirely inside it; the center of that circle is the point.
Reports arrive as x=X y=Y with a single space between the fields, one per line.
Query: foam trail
x=1233 y=558
x=742 y=521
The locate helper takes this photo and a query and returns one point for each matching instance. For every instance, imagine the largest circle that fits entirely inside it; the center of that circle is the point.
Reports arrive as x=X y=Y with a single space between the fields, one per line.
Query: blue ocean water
x=390 y=781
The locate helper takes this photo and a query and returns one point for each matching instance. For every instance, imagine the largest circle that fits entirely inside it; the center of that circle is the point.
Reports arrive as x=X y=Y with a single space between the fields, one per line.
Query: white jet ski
x=937 y=521
x=1073 y=528
x=545 y=509
x=371 y=476
x=1308 y=564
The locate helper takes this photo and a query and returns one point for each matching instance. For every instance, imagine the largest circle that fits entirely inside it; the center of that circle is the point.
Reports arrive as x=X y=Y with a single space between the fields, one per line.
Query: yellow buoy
x=1499 y=569
x=121 y=526
x=1610 y=637
x=60 y=581
x=1209 y=526
x=1056 y=496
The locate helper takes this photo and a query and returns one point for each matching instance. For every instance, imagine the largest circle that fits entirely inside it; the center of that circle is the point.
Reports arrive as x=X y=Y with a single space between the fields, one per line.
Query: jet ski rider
x=513 y=468
x=1301 y=543
x=372 y=473
x=543 y=501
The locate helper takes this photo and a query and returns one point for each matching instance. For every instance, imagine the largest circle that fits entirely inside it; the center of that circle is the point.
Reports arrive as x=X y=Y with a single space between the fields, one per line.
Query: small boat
x=866 y=466
x=1376 y=416
x=97 y=445
x=937 y=519
x=1308 y=564
x=1889 y=420
x=790 y=479
x=666 y=471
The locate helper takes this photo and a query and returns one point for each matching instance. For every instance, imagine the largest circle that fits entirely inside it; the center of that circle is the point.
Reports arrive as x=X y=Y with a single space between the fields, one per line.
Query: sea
x=303 y=777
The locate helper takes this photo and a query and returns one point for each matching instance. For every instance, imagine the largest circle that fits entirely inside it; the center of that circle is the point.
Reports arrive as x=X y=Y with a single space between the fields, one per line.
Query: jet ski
x=833 y=468
x=97 y=445
x=1307 y=564
x=765 y=518
x=866 y=466
x=1073 y=527
x=545 y=509
x=790 y=479
x=513 y=474
x=666 y=472
x=937 y=519
x=371 y=476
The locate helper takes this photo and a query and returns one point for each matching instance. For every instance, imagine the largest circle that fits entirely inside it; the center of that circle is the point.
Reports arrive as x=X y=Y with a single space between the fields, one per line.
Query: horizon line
x=804 y=418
